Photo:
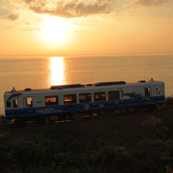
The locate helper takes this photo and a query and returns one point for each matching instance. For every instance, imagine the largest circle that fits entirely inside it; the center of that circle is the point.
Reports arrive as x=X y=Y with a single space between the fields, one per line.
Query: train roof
x=60 y=87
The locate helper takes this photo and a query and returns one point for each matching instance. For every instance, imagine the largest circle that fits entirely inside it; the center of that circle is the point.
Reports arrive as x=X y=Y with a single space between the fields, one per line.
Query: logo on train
x=52 y=110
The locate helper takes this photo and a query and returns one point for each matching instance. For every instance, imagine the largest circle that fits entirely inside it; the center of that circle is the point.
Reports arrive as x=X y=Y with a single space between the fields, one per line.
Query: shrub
x=2 y=120
x=169 y=101
x=157 y=128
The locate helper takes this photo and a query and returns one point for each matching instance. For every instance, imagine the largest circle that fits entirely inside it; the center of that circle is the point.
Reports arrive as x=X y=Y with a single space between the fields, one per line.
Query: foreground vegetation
x=65 y=150
x=169 y=101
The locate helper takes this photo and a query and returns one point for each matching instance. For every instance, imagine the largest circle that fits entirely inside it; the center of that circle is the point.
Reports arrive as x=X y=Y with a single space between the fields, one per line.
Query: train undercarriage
x=97 y=113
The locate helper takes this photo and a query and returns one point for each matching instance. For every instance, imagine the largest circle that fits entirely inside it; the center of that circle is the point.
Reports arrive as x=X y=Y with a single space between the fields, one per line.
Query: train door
x=8 y=108
x=15 y=110
x=157 y=91
x=28 y=105
x=148 y=92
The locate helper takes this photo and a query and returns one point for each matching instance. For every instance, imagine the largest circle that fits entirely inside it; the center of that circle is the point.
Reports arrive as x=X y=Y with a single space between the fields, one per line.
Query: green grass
x=63 y=150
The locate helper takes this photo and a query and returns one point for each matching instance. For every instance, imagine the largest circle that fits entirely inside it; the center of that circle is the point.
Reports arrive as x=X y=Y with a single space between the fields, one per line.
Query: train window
x=147 y=92
x=112 y=95
x=51 y=100
x=8 y=104
x=70 y=99
x=100 y=96
x=28 y=101
x=14 y=103
x=85 y=97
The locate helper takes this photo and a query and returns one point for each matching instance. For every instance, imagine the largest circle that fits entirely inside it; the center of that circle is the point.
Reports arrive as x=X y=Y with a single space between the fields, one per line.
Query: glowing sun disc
x=55 y=29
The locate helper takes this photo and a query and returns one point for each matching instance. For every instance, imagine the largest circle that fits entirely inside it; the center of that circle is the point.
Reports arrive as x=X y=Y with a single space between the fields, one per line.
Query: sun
x=55 y=29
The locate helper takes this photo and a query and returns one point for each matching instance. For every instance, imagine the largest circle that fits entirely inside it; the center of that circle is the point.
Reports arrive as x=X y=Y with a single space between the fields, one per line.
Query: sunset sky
x=56 y=27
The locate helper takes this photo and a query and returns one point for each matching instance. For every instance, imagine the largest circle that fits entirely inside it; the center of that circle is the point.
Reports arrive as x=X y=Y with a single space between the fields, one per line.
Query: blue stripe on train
x=79 y=107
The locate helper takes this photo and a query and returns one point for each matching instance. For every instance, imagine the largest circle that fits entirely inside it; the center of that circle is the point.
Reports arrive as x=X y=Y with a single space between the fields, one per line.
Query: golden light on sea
x=56 y=71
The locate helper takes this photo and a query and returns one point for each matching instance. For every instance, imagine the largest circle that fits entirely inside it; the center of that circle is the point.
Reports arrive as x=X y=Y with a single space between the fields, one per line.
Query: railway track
x=95 y=116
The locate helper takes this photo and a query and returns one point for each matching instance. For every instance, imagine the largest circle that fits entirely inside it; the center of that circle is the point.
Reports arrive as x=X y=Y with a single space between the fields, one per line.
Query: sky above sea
x=111 y=27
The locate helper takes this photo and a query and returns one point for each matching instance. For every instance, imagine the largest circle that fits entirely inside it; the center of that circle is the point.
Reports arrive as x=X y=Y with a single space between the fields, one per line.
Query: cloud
x=32 y=29
x=130 y=5
x=149 y=3
x=12 y=2
x=70 y=9
x=29 y=1
x=27 y=23
x=12 y=16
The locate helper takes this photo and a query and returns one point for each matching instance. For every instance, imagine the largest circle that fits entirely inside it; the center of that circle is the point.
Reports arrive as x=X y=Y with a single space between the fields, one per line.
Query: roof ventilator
x=67 y=86
x=110 y=83
x=27 y=89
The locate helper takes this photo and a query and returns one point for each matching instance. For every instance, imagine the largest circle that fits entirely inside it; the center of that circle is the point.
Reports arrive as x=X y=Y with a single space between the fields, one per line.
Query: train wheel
x=123 y=111
x=137 y=109
x=62 y=117
x=152 y=107
x=21 y=122
x=71 y=116
x=108 y=112
x=66 y=116
x=101 y=113
x=98 y=113
x=50 y=119
x=91 y=113
x=116 y=111
x=130 y=110
x=40 y=120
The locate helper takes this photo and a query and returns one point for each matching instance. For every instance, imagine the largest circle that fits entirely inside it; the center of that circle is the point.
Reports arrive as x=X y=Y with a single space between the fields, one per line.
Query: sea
x=45 y=71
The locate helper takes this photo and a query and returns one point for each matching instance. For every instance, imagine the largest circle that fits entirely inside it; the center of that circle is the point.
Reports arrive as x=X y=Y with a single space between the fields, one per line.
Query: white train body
x=70 y=99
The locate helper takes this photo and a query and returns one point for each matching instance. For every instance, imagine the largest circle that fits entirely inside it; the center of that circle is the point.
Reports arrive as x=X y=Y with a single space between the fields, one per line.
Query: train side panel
x=78 y=100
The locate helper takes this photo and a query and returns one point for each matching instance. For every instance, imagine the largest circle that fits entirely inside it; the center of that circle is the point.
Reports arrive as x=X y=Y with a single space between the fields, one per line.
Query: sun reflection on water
x=56 y=71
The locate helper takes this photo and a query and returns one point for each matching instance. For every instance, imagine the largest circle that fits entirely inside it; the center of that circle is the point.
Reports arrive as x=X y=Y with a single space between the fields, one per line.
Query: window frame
x=51 y=103
x=109 y=92
x=8 y=102
x=74 y=99
x=28 y=105
x=100 y=93
x=85 y=100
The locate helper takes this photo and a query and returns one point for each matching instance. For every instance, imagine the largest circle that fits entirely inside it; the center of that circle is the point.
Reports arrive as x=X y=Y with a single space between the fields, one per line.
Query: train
x=61 y=102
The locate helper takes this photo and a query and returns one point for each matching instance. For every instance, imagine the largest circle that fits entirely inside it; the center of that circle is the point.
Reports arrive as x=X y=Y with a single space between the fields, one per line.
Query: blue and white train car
x=64 y=101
